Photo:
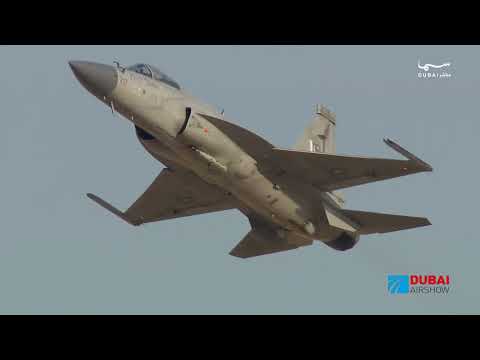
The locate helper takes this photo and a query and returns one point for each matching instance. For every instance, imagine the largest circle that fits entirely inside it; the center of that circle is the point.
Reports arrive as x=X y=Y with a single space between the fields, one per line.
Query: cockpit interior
x=152 y=72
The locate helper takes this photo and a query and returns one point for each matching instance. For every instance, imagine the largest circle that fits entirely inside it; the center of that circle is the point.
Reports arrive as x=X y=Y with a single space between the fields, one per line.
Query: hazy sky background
x=62 y=253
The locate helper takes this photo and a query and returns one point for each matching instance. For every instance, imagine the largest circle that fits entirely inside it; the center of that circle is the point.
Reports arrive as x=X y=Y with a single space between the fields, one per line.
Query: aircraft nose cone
x=99 y=79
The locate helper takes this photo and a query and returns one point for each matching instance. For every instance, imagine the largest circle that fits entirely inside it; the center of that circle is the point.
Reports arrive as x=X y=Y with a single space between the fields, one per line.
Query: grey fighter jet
x=211 y=164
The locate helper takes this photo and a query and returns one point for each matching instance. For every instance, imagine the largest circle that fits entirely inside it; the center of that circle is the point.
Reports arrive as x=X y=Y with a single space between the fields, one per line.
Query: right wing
x=172 y=194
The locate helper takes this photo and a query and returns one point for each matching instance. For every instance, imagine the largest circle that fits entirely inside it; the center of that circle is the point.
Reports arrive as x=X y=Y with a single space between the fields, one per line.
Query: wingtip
x=390 y=142
x=424 y=165
x=106 y=205
x=96 y=198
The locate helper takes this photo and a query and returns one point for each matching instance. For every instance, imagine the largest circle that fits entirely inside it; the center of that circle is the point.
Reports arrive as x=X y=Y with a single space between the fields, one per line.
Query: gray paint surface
x=60 y=253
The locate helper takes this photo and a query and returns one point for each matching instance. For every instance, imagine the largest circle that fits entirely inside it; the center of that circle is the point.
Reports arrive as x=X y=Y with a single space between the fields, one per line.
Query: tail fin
x=319 y=136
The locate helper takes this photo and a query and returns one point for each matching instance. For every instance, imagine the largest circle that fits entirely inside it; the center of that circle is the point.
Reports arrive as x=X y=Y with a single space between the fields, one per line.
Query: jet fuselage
x=182 y=137
x=290 y=196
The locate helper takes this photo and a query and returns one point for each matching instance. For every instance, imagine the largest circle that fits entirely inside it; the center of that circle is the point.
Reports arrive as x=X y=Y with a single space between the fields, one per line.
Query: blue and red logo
x=418 y=284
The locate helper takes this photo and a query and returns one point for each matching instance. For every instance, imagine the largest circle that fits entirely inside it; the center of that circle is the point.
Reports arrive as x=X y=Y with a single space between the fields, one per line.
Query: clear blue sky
x=61 y=253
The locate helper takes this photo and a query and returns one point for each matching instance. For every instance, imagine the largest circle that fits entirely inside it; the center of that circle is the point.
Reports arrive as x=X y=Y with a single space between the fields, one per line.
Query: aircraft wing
x=264 y=239
x=331 y=172
x=172 y=194
x=327 y=172
x=251 y=143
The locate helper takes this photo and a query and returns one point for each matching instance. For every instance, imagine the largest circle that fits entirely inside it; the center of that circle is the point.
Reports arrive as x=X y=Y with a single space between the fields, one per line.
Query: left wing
x=172 y=194
x=330 y=172
x=251 y=143
x=327 y=172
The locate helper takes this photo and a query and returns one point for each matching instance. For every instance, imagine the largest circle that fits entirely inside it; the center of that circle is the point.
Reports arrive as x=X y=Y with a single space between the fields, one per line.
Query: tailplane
x=265 y=239
x=371 y=223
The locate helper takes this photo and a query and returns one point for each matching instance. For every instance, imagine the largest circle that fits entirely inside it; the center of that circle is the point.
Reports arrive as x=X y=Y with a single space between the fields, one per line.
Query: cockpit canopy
x=154 y=73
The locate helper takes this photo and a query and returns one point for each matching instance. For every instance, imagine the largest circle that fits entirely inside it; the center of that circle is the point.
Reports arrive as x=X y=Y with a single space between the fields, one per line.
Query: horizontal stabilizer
x=337 y=219
x=263 y=239
x=255 y=243
x=371 y=223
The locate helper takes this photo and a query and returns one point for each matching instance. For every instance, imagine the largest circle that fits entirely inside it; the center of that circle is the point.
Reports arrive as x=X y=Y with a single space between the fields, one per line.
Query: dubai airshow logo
x=436 y=73
x=418 y=284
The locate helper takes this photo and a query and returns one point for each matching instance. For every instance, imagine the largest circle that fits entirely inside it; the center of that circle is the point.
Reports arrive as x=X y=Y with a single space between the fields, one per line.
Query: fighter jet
x=290 y=196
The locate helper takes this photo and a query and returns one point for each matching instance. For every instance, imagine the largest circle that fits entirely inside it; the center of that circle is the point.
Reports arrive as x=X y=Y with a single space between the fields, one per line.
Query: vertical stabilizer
x=319 y=136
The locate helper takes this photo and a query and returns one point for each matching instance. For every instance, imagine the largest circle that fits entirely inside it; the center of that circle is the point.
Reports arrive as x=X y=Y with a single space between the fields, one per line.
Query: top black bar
x=235 y=23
